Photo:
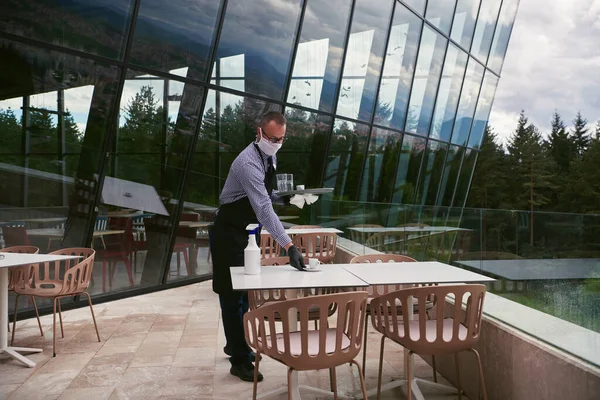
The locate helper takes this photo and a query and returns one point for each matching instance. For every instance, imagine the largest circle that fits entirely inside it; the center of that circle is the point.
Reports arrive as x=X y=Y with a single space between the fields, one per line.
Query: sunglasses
x=271 y=138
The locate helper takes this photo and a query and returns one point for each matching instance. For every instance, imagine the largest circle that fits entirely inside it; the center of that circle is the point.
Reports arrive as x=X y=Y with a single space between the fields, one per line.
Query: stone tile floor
x=165 y=345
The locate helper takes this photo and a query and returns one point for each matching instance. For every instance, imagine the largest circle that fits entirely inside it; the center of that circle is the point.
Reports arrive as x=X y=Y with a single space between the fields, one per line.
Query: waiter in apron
x=247 y=198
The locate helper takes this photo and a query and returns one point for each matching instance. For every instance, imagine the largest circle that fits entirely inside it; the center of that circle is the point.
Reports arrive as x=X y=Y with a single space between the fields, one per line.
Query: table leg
x=12 y=352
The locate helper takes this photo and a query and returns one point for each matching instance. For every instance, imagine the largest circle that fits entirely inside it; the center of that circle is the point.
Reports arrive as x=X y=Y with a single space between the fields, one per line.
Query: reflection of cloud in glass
x=308 y=74
x=422 y=75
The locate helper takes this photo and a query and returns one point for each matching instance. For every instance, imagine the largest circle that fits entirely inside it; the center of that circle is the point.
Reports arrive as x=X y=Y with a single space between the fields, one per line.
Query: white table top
x=412 y=273
x=287 y=277
x=301 y=231
x=408 y=229
x=15 y=259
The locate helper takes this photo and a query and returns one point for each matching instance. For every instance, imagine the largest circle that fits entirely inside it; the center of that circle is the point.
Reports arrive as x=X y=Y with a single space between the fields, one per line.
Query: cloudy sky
x=552 y=62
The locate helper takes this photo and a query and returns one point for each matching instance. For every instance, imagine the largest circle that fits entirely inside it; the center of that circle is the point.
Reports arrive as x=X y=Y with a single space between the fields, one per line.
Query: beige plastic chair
x=361 y=237
x=14 y=278
x=308 y=349
x=269 y=247
x=378 y=290
x=449 y=332
x=321 y=246
x=47 y=283
x=258 y=298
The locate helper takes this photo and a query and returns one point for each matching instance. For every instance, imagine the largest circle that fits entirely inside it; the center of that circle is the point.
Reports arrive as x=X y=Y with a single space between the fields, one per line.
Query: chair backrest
x=62 y=277
x=101 y=223
x=124 y=241
x=317 y=245
x=269 y=247
x=15 y=236
x=256 y=298
x=448 y=332
x=361 y=237
x=17 y=275
x=378 y=290
x=388 y=242
x=319 y=348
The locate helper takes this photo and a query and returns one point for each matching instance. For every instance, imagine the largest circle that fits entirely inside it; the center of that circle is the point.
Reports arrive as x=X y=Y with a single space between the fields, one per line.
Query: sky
x=552 y=63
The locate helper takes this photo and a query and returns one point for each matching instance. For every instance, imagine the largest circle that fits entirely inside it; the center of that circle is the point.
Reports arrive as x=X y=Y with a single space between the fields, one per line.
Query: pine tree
x=562 y=148
x=581 y=138
x=597 y=133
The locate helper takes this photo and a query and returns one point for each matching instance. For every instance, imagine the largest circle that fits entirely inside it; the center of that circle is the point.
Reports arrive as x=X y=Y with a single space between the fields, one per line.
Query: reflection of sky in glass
x=393 y=65
x=502 y=34
x=357 y=62
x=439 y=13
x=464 y=22
x=311 y=60
x=486 y=22
x=417 y=5
x=484 y=106
x=448 y=93
x=468 y=101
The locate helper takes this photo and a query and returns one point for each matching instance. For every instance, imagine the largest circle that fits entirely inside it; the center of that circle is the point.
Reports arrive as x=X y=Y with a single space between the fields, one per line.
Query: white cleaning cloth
x=299 y=199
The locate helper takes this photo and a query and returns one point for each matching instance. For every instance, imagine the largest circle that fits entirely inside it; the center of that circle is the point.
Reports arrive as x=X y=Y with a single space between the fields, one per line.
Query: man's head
x=270 y=133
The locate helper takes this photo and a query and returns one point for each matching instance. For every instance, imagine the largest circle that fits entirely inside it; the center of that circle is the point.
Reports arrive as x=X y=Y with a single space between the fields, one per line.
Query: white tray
x=306 y=191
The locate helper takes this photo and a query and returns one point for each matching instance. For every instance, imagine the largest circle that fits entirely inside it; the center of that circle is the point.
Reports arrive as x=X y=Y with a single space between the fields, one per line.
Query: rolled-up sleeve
x=250 y=176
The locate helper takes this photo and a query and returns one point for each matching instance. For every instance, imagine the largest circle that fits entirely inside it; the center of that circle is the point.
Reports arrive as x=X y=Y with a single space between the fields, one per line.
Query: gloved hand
x=286 y=200
x=296 y=259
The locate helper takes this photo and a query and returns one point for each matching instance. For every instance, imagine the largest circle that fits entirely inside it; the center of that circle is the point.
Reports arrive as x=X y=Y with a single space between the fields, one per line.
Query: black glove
x=286 y=200
x=296 y=259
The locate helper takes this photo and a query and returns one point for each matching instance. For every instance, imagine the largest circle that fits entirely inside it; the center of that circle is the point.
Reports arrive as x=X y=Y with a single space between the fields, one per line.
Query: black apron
x=228 y=235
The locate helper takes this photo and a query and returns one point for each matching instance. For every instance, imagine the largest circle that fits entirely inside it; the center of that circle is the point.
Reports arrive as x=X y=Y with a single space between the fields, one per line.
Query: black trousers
x=233 y=307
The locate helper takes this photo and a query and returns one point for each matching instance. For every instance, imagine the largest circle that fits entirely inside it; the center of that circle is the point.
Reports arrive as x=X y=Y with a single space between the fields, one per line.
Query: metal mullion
x=487 y=59
x=475 y=27
x=336 y=95
x=376 y=97
x=192 y=146
x=294 y=51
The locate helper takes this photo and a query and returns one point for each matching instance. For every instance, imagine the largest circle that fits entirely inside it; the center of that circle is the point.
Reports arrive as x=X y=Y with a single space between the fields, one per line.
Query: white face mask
x=267 y=147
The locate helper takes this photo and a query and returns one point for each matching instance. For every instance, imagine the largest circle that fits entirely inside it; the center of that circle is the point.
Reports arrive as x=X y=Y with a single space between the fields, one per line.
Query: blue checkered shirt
x=247 y=179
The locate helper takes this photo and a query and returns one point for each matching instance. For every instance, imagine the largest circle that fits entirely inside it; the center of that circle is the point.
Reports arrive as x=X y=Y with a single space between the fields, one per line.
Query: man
x=247 y=198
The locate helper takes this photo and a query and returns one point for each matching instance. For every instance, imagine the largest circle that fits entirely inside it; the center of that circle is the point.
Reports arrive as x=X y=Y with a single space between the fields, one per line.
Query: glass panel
x=319 y=54
x=451 y=170
x=468 y=101
x=439 y=13
x=427 y=77
x=143 y=185
x=448 y=94
x=463 y=26
x=363 y=58
x=464 y=180
x=431 y=173
x=98 y=27
x=380 y=167
x=502 y=34
x=407 y=173
x=484 y=32
x=417 y=5
x=259 y=43
x=303 y=154
x=398 y=69
x=175 y=36
x=55 y=113
x=484 y=106
x=345 y=159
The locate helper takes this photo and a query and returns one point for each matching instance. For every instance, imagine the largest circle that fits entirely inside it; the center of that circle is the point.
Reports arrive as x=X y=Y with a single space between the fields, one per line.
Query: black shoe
x=227 y=351
x=245 y=372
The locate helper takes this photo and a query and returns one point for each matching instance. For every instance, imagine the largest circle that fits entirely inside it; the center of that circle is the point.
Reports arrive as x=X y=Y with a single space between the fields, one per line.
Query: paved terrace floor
x=165 y=345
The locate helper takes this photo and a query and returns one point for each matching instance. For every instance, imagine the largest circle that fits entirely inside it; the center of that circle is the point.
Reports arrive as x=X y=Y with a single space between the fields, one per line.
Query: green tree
x=585 y=185
x=597 y=133
x=562 y=148
x=490 y=179
x=580 y=135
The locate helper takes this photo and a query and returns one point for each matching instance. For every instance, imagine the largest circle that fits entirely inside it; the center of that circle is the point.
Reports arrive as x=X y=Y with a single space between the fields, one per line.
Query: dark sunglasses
x=272 y=139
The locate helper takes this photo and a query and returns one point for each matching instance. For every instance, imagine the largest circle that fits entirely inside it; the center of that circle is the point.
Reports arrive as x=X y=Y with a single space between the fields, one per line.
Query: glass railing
x=546 y=261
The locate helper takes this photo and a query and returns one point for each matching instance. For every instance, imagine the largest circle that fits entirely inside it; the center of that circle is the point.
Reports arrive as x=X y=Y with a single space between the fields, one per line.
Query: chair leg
x=380 y=375
x=255 y=386
x=457 y=366
x=54 y=327
x=128 y=267
x=12 y=340
x=364 y=360
x=93 y=316
x=362 y=380
x=186 y=260
x=434 y=369
x=178 y=263
x=104 y=276
x=62 y=332
x=481 y=378
x=409 y=376
x=289 y=379
x=333 y=382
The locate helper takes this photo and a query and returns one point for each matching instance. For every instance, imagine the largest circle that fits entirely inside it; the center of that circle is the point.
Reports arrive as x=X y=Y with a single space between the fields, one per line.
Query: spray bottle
x=252 y=254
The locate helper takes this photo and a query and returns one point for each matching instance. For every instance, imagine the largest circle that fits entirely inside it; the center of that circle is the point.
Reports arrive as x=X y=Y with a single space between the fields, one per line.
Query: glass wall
x=119 y=120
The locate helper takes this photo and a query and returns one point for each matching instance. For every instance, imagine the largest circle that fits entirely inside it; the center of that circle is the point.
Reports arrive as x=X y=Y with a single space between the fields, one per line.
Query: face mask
x=267 y=147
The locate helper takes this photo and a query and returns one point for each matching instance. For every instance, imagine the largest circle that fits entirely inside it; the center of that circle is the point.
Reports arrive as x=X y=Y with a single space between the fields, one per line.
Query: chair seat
x=48 y=292
x=431 y=330
x=313 y=342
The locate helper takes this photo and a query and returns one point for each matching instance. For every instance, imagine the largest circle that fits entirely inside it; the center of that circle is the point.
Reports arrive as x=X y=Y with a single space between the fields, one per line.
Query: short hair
x=272 y=116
